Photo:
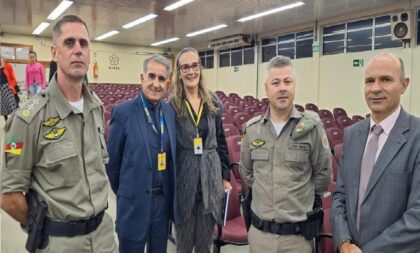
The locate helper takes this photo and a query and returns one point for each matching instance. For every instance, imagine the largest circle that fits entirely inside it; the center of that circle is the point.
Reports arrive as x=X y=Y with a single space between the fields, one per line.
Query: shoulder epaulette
x=31 y=108
x=95 y=97
x=308 y=122
x=254 y=120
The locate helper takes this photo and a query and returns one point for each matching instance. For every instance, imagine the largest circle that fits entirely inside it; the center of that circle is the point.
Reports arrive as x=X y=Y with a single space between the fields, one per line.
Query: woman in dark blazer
x=202 y=156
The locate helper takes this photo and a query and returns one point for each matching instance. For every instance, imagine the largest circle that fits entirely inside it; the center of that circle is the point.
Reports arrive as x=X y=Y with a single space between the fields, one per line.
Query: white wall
x=127 y=70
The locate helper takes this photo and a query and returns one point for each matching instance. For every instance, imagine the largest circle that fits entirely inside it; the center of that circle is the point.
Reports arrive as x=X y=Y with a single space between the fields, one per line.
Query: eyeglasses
x=153 y=76
x=194 y=66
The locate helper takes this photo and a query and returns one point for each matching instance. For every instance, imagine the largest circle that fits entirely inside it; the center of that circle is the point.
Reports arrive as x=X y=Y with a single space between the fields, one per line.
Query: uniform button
x=147 y=191
x=150 y=168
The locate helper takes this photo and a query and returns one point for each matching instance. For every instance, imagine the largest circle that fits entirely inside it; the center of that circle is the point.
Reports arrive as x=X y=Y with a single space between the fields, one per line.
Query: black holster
x=37 y=214
x=246 y=200
x=312 y=226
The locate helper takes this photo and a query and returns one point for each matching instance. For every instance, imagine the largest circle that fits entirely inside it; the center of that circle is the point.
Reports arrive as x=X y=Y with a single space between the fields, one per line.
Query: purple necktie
x=368 y=162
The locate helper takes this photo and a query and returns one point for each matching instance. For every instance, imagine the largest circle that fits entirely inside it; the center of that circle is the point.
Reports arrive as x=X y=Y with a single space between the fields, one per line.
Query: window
x=383 y=34
x=207 y=59
x=418 y=26
x=361 y=35
x=293 y=45
x=333 y=39
x=224 y=58
x=304 y=41
x=236 y=56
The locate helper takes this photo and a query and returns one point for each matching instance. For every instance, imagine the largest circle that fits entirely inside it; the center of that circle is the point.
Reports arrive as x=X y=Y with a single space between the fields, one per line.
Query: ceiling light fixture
x=178 y=4
x=164 y=42
x=206 y=30
x=283 y=8
x=40 y=28
x=139 y=21
x=60 y=9
x=107 y=35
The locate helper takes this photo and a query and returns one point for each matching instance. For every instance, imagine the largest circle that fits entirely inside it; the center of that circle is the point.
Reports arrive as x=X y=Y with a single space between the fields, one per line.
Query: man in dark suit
x=376 y=205
x=141 y=169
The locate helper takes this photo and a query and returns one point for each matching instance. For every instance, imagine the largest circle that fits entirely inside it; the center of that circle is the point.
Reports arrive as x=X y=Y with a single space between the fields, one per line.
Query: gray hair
x=159 y=59
x=396 y=58
x=66 y=19
x=279 y=62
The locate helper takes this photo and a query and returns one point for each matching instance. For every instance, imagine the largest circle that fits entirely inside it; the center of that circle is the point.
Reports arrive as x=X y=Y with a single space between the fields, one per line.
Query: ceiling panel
x=22 y=16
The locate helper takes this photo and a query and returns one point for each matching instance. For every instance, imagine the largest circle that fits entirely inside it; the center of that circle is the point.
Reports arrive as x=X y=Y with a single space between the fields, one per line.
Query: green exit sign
x=357 y=62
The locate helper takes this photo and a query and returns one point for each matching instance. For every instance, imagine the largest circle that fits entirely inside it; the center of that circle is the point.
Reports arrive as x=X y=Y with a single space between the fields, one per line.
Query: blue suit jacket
x=390 y=210
x=130 y=168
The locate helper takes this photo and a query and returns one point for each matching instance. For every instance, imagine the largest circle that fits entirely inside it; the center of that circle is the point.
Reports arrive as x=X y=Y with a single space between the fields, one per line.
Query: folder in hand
x=227 y=194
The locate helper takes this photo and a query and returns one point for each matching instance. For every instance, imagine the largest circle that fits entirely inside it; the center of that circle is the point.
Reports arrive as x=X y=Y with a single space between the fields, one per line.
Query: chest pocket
x=63 y=166
x=297 y=152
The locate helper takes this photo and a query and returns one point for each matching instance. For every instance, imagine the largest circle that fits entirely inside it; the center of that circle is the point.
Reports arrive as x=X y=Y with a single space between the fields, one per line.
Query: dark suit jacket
x=390 y=211
x=129 y=168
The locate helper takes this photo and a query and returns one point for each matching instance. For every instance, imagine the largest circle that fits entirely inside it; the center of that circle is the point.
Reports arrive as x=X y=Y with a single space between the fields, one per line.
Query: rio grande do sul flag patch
x=13 y=146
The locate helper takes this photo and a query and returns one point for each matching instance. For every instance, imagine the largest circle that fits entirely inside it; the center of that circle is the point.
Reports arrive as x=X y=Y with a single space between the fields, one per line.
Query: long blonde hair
x=179 y=95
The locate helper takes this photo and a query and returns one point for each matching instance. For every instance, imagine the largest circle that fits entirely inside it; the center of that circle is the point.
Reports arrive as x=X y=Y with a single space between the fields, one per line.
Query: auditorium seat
x=343 y=122
x=338 y=151
x=357 y=118
x=251 y=110
x=325 y=114
x=239 y=119
x=233 y=110
x=234 y=150
x=329 y=123
x=234 y=232
x=299 y=108
x=311 y=107
x=227 y=119
x=334 y=167
x=230 y=130
x=335 y=136
x=338 y=111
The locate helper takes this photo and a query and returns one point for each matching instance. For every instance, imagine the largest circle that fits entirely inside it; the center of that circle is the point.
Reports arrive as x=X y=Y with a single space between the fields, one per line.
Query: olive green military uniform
x=285 y=172
x=60 y=152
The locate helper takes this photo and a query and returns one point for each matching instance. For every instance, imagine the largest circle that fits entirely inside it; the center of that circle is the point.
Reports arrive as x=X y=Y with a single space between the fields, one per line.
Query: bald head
x=398 y=62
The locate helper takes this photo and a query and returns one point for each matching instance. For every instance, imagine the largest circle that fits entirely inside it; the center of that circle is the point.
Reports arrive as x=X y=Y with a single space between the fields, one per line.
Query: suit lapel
x=359 y=143
x=140 y=118
x=392 y=146
x=170 y=126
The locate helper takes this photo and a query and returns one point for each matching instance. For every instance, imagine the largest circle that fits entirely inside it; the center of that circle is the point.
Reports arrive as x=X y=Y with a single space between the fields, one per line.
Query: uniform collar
x=61 y=103
x=294 y=114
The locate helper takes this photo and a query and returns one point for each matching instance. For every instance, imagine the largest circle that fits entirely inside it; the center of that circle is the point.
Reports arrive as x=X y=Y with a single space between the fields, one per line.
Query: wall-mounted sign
x=357 y=63
x=236 y=69
x=114 y=61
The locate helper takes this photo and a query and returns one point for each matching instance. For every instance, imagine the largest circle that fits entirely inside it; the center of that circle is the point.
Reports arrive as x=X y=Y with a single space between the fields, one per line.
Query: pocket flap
x=259 y=154
x=60 y=151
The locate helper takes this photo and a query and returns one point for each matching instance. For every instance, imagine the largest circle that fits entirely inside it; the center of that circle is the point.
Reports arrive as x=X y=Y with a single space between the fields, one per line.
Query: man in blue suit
x=376 y=205
x=141 y=168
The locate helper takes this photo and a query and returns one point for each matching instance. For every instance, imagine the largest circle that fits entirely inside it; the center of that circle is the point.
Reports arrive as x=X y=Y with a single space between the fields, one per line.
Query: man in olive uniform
x=55 y=147
x=286 y=160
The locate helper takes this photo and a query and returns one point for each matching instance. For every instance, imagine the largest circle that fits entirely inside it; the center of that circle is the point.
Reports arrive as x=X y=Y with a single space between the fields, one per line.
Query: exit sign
x=357 y=62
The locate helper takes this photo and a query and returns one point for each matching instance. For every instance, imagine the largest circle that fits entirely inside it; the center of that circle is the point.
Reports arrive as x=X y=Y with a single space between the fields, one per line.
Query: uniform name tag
x=198 y=146
x=161 y=161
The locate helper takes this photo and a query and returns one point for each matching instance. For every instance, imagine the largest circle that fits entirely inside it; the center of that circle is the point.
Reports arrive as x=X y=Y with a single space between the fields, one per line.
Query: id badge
x=161 y=161
x=198 y=146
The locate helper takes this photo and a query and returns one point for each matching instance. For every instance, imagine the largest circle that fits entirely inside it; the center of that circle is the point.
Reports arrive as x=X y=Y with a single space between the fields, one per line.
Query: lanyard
x=200 y=112
x=149 y=119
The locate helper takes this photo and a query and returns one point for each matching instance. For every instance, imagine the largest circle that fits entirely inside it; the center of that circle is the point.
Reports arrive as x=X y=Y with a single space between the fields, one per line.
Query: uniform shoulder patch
x=305 y=125
x=31 y=108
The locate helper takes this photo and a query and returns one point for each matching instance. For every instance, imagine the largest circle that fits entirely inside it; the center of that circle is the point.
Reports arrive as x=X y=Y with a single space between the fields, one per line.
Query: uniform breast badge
x=257 y=143
x=55 y=133
x=52 y=121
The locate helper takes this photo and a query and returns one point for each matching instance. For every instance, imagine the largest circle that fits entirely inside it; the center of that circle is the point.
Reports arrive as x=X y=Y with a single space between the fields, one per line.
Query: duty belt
x=72 y=228
x=278 y=228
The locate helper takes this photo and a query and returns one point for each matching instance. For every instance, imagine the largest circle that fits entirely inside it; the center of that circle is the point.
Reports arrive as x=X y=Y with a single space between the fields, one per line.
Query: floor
x=13 y=238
